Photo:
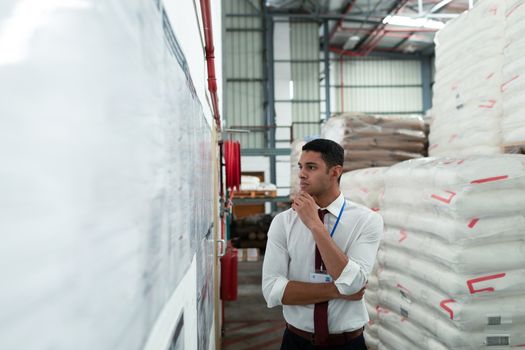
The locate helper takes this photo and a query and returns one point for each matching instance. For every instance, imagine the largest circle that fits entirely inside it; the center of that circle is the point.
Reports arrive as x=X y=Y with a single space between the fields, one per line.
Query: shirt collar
x=335 y=207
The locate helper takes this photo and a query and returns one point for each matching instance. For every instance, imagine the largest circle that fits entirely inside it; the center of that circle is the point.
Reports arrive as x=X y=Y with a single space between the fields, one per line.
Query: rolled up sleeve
x=361 y=257
x=275 y=265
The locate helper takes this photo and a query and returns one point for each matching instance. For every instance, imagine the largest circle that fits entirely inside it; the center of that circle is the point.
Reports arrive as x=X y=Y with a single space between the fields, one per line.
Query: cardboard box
x=248 y=254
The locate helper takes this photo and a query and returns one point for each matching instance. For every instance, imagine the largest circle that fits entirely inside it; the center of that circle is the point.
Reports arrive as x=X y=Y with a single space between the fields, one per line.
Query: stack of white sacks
x=376 y=141
x=480 y=83
x=365 y=187
x=296 y=149
x=467 y=102
x=452 y=260
x=513 y=84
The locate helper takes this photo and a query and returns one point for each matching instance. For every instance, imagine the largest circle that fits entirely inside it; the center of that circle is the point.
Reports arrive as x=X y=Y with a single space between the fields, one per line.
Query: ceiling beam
x=321 y=17
x=336 y=26
x=401 y=42
x=362 y=40
x=439 y=6
x=396 y=5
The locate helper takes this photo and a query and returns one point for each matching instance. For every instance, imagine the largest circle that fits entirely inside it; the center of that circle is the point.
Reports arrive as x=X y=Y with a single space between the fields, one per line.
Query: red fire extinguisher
x=232 y=158
x=229 y=274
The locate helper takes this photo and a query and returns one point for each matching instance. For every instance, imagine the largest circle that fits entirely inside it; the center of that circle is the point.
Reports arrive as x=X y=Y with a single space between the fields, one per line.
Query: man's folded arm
x=362 y=255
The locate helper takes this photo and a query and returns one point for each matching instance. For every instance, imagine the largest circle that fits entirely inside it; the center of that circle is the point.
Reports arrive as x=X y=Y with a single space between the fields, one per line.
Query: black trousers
x=292 y=341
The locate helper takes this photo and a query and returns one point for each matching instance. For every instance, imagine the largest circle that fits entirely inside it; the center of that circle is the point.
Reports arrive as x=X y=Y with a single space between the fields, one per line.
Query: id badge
x=318 y=277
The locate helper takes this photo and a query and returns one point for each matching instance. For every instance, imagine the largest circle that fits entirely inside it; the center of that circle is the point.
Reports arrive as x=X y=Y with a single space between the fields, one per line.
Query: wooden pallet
x=255 y=193
x=518 y=148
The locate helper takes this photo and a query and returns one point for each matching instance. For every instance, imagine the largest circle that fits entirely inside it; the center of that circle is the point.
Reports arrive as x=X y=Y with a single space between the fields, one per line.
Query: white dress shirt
x=290 y=256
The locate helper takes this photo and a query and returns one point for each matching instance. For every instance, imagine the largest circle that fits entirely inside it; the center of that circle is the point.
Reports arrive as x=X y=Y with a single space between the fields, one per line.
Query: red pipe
x=210 y=59
x=375 y=41
x=345 y=52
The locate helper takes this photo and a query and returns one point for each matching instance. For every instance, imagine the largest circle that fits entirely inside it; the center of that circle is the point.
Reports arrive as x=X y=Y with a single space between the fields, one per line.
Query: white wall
x=282 y=76
x=376 y=85
x=186 y=20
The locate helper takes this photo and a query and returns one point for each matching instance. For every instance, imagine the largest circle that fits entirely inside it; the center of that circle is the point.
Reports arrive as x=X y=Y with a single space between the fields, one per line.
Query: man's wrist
x=318 y=228
x=334 y=292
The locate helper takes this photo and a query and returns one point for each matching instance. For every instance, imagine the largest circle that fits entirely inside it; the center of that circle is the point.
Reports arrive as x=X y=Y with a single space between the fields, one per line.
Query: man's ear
x=337 y=171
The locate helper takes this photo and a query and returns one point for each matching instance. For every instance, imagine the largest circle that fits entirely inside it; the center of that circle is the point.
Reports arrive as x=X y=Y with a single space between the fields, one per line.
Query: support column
x=326 y=44
x=270 y=93
x=426 y=82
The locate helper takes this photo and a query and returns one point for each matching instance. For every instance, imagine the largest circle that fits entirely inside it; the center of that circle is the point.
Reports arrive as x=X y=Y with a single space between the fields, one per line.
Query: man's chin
x=309 y=191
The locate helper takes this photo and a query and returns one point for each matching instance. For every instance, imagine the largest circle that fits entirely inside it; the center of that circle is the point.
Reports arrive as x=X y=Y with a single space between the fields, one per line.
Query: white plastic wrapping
x=372 y=342
x=460 y=259
x=396 y=341
x=467 y=100
x=106 y=187
x=458 y=285
x=364 y=186
x=376 y=141
x=513 y=84
x=450 y=262
x=406 y=330
x=294 y=167
x=465 y=314
x=458 y=231
x=445 y=332
x=468 y=188
x=479 y=84
x=372 y=306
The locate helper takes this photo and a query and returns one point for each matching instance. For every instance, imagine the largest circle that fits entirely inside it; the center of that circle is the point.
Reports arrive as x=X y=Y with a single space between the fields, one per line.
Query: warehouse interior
x=148 y=146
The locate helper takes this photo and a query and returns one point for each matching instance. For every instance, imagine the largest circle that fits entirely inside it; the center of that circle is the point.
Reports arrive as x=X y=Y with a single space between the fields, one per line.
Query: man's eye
x=311 y=167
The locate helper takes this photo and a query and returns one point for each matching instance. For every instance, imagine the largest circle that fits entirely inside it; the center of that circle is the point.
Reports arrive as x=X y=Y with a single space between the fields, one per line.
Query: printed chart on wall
x=107 y=196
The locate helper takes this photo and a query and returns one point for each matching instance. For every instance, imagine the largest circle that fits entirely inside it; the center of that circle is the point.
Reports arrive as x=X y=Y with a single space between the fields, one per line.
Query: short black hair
x=331 y=152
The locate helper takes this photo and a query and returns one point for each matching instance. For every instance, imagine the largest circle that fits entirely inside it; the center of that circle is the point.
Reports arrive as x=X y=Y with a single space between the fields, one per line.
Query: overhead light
x=351 y=42
x=413 y=22
x=290 y=89
x=409 y=48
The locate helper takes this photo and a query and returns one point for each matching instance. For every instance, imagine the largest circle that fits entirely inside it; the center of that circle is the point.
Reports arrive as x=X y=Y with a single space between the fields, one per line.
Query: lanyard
x=333 y=228
x=338 y=218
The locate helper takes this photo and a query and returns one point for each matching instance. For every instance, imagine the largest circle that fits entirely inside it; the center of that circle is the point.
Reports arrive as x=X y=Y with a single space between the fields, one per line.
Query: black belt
x=333 y=339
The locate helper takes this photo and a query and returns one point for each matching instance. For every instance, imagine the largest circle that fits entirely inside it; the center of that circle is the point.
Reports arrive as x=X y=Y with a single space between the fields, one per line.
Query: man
x=319 y=255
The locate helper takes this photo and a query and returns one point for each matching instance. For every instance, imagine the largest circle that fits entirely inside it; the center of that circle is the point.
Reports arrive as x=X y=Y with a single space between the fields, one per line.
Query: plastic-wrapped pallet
x=513 y=84
x=365 y=186
x=452 y=262
x=296 y=150
x=373 y=308
x=376 y=141
x=467 y=101
x=399 y=330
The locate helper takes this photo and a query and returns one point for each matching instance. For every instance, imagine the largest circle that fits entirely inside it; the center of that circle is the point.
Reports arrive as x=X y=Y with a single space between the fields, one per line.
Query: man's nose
x=301 y=174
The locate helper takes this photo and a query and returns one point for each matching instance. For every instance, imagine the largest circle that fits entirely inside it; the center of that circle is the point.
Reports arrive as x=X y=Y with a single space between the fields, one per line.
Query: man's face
x=313 y=173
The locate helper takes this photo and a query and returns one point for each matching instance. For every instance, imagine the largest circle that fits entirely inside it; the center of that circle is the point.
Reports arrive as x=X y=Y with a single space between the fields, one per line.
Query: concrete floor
x=248 y=323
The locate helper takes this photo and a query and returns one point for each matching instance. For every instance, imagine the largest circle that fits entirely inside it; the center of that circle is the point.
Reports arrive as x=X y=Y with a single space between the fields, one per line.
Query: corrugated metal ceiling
x=358 y=27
